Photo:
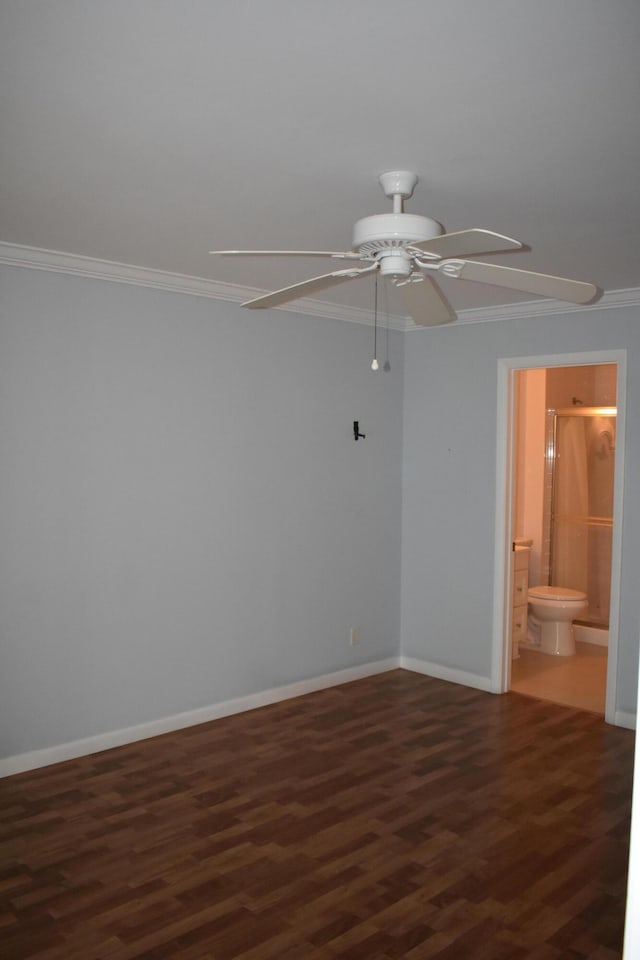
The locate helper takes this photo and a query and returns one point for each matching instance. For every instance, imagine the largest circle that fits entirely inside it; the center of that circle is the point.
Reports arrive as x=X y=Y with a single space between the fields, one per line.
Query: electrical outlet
x=354 y=639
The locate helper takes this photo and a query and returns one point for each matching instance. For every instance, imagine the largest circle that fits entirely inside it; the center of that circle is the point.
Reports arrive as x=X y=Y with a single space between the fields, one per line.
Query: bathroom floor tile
x=578 y=681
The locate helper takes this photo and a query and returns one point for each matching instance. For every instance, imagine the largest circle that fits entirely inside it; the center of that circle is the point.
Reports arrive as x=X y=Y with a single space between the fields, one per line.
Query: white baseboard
x=451 y=674
x=586 y=634
x=623 y=719
x=20 y=763
x=117 y=738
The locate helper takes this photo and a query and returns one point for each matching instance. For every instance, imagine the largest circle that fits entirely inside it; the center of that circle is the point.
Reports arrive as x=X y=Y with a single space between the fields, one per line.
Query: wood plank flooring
x=394 y=817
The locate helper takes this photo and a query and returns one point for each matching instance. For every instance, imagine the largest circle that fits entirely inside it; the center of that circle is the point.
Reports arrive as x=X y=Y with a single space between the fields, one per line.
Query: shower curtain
x=582 y=509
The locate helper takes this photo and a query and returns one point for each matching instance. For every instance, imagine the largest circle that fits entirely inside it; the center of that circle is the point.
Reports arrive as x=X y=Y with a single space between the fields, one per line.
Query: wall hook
x=356 y=431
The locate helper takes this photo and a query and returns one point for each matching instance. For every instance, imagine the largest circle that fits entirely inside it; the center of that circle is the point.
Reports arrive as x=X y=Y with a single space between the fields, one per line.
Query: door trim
x=505 y=494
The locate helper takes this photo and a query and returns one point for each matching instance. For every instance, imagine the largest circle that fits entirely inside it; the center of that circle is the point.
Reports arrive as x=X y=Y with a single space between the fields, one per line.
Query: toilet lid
x=556 y=593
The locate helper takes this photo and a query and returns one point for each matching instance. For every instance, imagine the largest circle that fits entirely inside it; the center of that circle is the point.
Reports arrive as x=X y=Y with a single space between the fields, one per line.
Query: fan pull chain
x=374 y=363
x=385 y=306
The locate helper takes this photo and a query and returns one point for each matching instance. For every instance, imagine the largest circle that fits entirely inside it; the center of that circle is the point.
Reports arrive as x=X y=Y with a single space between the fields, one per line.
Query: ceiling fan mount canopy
x=407 y=248
x=398 y=183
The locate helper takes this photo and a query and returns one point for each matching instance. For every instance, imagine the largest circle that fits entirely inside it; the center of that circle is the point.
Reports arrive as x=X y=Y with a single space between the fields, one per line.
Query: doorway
x=553 y=411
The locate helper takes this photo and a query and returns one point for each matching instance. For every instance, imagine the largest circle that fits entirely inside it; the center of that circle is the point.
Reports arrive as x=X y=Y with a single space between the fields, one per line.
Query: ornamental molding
x=55 y=261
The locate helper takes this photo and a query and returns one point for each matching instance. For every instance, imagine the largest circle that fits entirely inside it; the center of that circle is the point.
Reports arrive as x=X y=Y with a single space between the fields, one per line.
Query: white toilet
x=555 y=608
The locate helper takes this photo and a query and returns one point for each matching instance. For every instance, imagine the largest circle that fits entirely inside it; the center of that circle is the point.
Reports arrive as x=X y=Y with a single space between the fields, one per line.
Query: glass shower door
x=582 y=506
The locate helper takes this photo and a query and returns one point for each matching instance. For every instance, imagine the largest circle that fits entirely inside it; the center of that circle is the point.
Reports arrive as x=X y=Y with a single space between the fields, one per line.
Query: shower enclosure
x=579 y=504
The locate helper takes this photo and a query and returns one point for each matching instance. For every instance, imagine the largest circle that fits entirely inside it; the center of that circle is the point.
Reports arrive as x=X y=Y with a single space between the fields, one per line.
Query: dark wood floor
x=397 y=816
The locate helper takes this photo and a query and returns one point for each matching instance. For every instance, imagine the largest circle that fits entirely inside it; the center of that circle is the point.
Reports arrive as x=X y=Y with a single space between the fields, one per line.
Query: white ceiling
x=151 y=131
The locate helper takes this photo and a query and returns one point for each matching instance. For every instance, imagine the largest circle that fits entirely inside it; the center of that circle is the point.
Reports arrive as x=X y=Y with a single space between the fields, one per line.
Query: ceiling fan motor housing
x=385 y=235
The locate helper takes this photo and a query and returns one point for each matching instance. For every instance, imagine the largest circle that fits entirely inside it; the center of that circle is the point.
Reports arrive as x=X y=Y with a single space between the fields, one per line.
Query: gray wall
x=449 y=481
x=184 y=515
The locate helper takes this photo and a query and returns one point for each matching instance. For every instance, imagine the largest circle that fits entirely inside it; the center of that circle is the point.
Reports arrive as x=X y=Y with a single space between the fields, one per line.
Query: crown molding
x=77 y=265
x=55 y=261
x=610 y=300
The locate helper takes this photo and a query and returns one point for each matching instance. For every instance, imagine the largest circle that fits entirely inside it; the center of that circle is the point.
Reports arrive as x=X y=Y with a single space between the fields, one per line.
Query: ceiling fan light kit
x=406 y=248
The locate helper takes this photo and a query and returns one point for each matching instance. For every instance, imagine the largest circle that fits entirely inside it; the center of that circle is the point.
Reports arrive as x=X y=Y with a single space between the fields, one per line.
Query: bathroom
x=562 y=530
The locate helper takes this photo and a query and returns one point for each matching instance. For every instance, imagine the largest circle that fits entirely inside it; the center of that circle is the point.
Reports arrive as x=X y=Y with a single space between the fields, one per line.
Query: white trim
x=622 y=718
x=611 y=714
x=611 y=300
x=502 y=607
x=142 y=731
x=596 y=636
x=450 y=674
x=20 y=763
x=631 y=948
x=35 y=759
x=56 y=261
x=501 y=655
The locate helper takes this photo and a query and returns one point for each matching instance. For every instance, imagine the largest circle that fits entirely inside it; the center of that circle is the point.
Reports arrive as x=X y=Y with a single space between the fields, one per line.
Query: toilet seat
x=543 y=592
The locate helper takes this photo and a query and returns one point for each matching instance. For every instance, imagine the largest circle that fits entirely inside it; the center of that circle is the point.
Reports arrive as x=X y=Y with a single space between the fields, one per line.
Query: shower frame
x=549 y=489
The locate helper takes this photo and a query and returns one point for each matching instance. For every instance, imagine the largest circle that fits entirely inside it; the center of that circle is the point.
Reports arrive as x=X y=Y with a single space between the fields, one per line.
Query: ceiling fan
x=409 y=249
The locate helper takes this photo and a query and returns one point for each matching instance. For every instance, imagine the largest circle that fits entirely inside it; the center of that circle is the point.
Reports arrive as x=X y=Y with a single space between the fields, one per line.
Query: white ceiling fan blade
x=298 y=290
x=542 y=284
x=426 y=303
x=340 y=255
x=467 y=243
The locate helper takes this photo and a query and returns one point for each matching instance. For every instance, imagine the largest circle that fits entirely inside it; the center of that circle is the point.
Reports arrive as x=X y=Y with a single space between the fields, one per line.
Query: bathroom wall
x=185 y=515
x=593 y=386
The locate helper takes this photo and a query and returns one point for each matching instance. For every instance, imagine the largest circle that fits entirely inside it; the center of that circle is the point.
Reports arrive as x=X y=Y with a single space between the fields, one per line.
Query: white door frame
x=505 y=495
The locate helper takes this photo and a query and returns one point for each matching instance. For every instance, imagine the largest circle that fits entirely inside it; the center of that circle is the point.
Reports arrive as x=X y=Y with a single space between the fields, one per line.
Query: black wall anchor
x=356 y=431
